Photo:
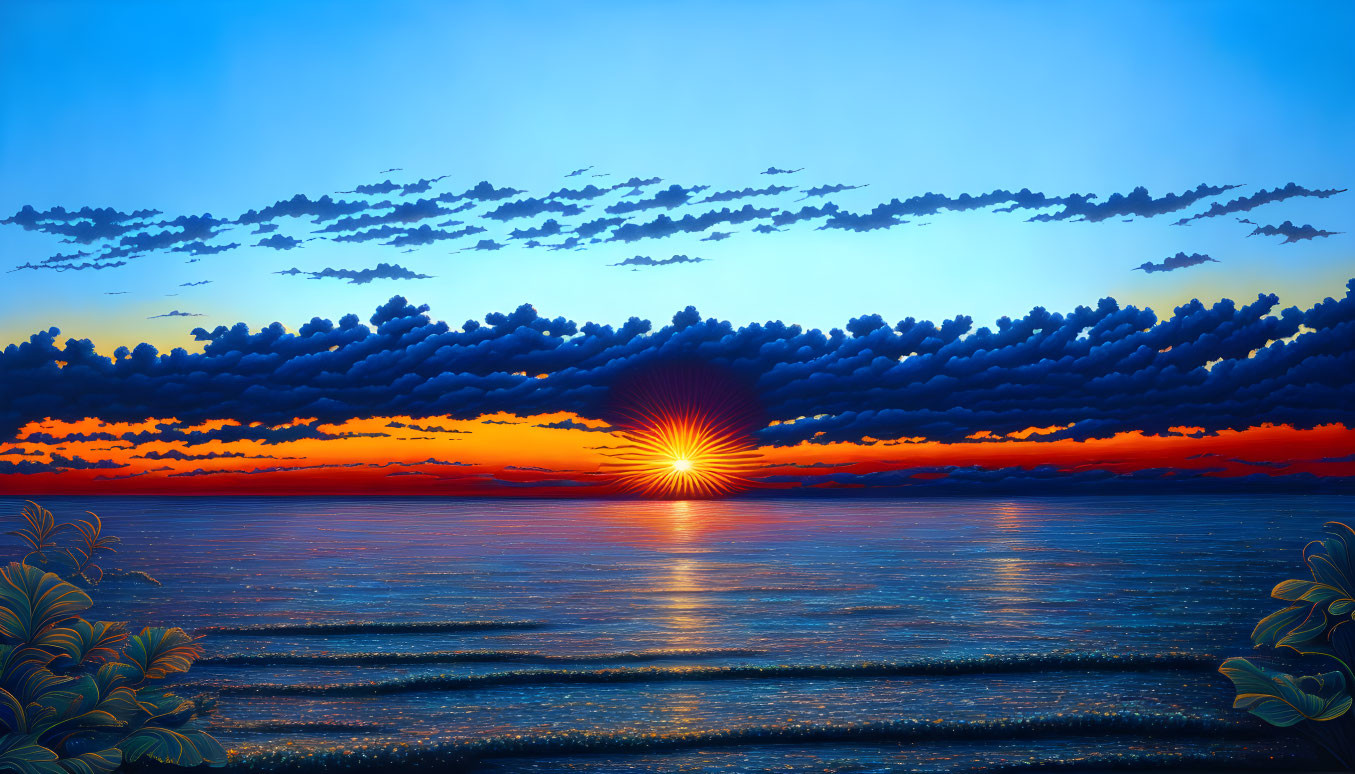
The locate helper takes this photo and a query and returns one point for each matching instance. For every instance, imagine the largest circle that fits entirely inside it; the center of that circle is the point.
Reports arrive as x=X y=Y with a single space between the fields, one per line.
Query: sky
x=1215 y=138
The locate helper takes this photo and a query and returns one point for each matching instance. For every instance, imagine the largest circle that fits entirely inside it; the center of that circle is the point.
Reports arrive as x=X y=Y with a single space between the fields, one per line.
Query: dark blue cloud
x=717 y=236
x=775 y=171
x=1095 y=371
x=279 y=242
x=371 y=189
x=202 y=248
x=71 y=267
x=1138 y=203
x=824 y=190
x=175 y=313
x=670 y=197
x=482 y=191
x=1246 y=203
x=421 y=186
x=1174 y=262
x=57 y=464
x=579 y=194
x=1292 y=233
x=424 y=235
x=85 y=225
x=644 y=260
x=300 y=206
x=360 y=276
x=484 y=244
x=526 y=208
x=549 y=228
x=664 y=226
x=194 y=284
x=404 y=212
x=578 y=171
x=729 y=196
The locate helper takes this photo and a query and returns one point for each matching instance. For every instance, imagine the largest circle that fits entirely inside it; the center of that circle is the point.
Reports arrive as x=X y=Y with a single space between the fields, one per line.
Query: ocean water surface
x=796 y=623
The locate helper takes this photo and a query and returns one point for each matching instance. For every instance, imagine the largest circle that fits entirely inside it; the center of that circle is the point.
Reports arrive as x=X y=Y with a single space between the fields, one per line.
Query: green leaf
x=1278 y=624
x=186 y=748
x=1342 y=607
x=22 y=754
x=1292 y=590
x=1284 y=700
x=157 y=653
x=101 y=762
x=84 y=642
x=33 y=601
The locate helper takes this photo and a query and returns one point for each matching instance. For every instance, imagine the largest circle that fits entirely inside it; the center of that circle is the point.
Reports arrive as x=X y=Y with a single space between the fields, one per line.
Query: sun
x=687 y=433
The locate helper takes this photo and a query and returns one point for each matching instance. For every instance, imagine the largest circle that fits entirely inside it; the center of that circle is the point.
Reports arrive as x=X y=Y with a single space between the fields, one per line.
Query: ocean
x=853 y=635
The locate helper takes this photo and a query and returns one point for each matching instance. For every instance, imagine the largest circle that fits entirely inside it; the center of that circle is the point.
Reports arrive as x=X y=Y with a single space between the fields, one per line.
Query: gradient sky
x=222 y=108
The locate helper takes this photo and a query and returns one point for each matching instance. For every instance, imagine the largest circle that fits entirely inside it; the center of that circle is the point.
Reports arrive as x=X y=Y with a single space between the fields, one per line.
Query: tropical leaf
x=20 y=753
x=13 y=718
x=157 y=653
x=184 y=748
x=80 y=704
x=40 y=527
x=160 y=708
x=1284 y=700
x=101 y=762
x=1278 y=624
x=92 y=543
x=33 y=601
x=83 y=642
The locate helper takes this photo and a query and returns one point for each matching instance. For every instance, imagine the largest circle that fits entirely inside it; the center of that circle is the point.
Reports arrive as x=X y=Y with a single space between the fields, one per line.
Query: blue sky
x=223 y=107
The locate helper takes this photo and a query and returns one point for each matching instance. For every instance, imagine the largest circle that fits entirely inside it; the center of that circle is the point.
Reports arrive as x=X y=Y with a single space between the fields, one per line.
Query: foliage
x=79 y=696
x=1317 y=621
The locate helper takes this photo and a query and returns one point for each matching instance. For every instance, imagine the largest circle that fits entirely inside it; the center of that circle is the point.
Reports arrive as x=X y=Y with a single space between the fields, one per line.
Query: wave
x=1152 y=761
x=420 y=755
x=1099 y=662
x=296 y=727
x=468 y=656
x=372 y=627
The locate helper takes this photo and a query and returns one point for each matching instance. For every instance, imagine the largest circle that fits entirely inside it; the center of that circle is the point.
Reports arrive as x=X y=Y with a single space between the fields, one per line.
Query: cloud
x=670 y=197
x=421 y=186
x=717 y=236
x=482 y=191
x=299 y=206
x=278 y=242
x=775 y=171
x=175 y=313
x=526 y=208
x=1174 y=262
x=1246 y=203
x=1095 y=371
x=83 y=226
x=72 y=267
x=425 y=429
x=174 y=454
x=363 y=276
x=729 y=196
x=384 y=187
x=569 y=424
x=664 y=226
x=403 y=212
x=194 y=284
x=824 y=190
x=424 y=235
x=485 y=244
x=579 y=194
x=1292 y=233
x=549 y=228
x=578 y=171
x=57 y=464
x=202 y=248
x=1137 y=203
x=644 y=260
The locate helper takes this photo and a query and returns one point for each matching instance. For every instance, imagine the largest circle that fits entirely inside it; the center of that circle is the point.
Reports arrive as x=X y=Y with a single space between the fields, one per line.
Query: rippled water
x=682 y=584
